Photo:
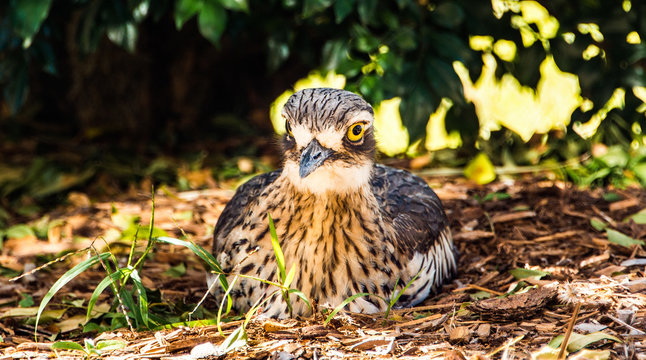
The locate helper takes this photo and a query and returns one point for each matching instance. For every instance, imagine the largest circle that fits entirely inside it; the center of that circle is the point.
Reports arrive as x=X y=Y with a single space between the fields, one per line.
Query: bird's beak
x=313 y=156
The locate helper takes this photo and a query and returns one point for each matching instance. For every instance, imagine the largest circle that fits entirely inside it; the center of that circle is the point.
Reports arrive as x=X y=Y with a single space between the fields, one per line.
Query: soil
x=539 y=225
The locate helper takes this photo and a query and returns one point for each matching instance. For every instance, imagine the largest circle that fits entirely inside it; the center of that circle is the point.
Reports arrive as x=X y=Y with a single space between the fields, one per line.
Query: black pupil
x=356 y=130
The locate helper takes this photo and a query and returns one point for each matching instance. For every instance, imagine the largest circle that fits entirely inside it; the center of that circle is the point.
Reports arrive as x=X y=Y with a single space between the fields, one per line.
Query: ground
x=501 y=228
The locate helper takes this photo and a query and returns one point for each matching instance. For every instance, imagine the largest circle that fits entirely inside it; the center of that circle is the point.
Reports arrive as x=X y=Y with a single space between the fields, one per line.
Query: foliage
x=519 y=81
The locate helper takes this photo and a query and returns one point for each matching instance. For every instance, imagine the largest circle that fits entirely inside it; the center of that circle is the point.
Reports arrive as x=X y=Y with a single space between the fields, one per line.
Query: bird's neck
x=329 y=181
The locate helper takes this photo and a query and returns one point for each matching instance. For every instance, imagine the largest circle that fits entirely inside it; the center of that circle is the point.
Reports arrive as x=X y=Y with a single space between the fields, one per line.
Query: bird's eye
x=288 y=128
x=355 y=132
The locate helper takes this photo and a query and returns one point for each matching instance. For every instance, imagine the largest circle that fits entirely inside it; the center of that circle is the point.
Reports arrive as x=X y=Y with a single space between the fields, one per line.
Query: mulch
x=533 y=224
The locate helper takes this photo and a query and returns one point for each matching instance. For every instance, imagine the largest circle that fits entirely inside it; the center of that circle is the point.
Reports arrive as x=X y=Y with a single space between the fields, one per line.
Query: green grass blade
x=290 y=276
x=343 y=304
x=107 y=281
x=63 y=280
x=126 y=297
x=207 y=257
x=280 y=258
x=142 y=297
x=301 y=295
x=227 y=295
x=394 y=299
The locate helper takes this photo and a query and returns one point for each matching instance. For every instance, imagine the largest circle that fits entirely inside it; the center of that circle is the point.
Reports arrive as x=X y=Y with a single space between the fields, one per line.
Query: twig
x=623 y=323
x=480 y=288
x=568 y=332
x=59 y=259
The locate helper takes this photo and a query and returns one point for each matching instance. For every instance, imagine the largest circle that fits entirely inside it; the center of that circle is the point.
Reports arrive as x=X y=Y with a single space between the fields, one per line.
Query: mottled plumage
x=349 y=225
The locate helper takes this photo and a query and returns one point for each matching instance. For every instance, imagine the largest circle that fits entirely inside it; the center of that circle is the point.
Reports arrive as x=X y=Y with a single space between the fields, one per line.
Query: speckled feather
x=371 y=229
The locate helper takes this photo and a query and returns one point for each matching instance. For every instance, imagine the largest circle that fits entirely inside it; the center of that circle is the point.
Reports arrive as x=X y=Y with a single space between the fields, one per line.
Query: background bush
x=166 y=76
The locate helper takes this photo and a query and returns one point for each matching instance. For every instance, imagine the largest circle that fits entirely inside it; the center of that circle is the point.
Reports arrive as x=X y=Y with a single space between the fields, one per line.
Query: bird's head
x=329 y=144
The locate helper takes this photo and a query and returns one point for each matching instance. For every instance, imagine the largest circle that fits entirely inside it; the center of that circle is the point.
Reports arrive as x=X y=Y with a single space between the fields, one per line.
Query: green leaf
x=639 y=217
x=19 y=231
x=311 y=7
x=26 y=300
x=579 y=342
x=106 y=345
x=176 y=271
x=616 y=156
x=63 y=280
x=343 y=304
x=448 y=14
x=186 y=9
x=521 y=273
x=598 y=224
x=640 y=171
x=237 y=339
x=212 y=21
x=366 y=10
x=611 y=197
x=107 y=281
x=290 y=276
x=280 y=258
x=301 y=295
x=67 y=345
x=141 y=296
x=621 y=239
x=342 y=9
x=27 y=17
x=236 y=5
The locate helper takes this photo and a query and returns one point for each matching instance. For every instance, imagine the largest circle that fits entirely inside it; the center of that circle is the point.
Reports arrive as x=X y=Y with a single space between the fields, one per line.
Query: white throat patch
x=328 y=179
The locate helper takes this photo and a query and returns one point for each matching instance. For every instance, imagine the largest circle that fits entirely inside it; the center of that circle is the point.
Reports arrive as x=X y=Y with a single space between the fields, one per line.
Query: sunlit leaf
x=67 y=345
x=108 y=345
x=639 y=217
x=589 y=128
x=19 y=231
x=237 y=5
x=505 y=49
x=212 y=21
x=522 y=273
x=280 y=258
x=237 y=339
x=436 y=136
x=480 y=169
x=621 y=239
x=186 y=9
x=27 y=17
x=598 y=224
x=391 y=135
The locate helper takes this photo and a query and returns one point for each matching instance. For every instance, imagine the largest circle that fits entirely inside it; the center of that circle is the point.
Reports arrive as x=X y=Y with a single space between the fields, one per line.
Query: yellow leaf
x=505 y=49
x=633 y=38
x=392 y=136
x=480 y=43
x=616 y=101
x=436 y=135
x=480 y=170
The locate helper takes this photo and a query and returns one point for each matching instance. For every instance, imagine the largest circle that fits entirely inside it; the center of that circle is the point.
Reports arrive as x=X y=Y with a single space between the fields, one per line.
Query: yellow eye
x=288 y=128
x=355 y=132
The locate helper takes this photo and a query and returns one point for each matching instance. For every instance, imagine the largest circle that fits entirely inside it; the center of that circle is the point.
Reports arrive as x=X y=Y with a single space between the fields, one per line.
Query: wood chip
x=515 y=307
x=595 y=259
x=274 y=326
x=623 y=204
x=505 y=217
x=460 y=334
x=483 y=331
x=473 y=235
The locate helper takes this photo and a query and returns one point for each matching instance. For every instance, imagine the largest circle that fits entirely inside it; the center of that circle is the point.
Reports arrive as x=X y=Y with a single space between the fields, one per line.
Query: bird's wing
x=233 y=214
x=411 y=207
x=422 y=230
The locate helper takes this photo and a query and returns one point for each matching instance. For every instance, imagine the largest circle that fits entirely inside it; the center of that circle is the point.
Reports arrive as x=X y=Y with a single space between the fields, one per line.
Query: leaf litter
x=530 y=255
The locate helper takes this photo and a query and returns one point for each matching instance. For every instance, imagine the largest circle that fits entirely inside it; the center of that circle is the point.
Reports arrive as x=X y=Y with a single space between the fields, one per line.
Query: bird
x=348 y=224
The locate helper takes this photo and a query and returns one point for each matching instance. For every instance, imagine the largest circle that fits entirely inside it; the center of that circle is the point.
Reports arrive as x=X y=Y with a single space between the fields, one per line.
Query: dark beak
x=313 y=156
